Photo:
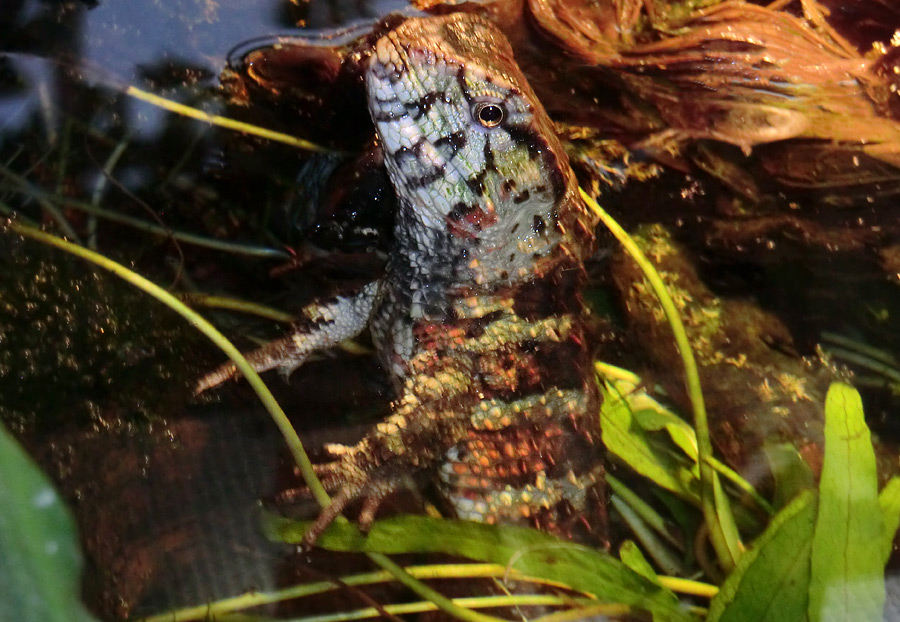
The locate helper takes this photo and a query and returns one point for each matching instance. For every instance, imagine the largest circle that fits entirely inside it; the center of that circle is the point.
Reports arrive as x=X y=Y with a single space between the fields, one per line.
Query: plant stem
x=225 y=122
x=727 y=553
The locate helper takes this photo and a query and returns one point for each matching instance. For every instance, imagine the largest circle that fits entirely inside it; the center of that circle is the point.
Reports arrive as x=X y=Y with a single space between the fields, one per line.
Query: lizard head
x=468 y=146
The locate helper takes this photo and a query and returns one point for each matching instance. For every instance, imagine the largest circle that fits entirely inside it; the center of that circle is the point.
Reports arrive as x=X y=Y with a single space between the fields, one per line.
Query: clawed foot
x=372 y=496
x=348 y=484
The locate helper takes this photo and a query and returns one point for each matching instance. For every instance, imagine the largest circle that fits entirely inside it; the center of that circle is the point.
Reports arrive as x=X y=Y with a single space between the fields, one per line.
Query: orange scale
x=460 y=468
x=474 y=482
x=470 y=482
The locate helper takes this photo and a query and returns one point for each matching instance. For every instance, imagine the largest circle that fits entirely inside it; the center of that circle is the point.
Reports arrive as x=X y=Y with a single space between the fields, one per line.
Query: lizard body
x=478 y=317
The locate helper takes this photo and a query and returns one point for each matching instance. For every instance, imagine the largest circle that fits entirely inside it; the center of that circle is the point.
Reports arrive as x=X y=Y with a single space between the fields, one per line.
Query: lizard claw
x=327 y=516
x=352 y=485
x=372 y=492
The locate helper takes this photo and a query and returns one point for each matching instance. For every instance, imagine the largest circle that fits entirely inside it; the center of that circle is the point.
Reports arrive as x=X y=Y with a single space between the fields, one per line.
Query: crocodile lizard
x=478 y=317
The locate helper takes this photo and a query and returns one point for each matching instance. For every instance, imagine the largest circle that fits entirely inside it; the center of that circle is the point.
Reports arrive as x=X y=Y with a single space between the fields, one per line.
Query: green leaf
x=792 y=473
x=530 y=551
x=631 y=556
x=644 y=511
x=647 y=453
x=726 y=521
x=771 y=580
x=666 y=559
x=847 y=580
x=40 y=562
x=651 y=416
x=889 y=500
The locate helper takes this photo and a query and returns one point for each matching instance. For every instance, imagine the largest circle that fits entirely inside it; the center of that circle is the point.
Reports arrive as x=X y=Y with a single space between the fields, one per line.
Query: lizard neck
x=449 y=261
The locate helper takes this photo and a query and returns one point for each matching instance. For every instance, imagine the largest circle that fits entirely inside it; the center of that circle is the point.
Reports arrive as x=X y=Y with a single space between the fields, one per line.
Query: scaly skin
x=478 y=317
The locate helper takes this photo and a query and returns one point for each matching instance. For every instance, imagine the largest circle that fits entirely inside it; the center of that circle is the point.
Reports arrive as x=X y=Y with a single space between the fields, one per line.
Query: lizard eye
x=488 y=115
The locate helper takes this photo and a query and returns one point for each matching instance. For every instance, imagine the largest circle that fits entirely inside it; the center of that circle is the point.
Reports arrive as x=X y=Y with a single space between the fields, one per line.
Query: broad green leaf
x=846 y=581
x=40 y=562
x=530 y=551
x=770 y=582
x=643 y=451
x=889 y=500
x=631 y=556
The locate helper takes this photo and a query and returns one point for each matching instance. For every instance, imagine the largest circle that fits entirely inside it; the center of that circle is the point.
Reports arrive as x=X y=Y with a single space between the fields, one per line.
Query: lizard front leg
x=322 y=325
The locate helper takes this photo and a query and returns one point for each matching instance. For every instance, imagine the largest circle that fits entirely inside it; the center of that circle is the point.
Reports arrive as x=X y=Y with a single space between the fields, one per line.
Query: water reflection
x=28 y=80
x=116 y=43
